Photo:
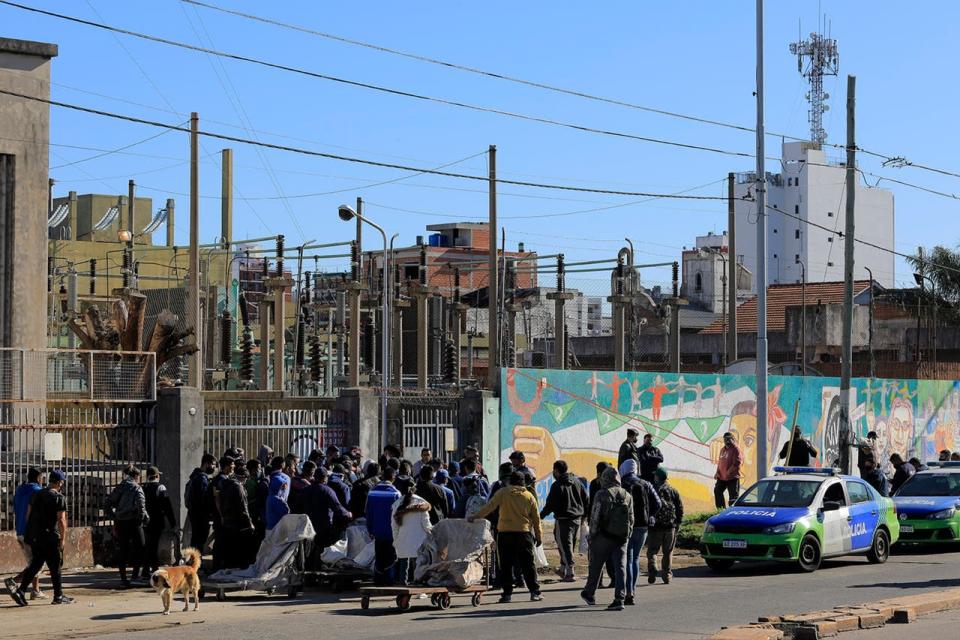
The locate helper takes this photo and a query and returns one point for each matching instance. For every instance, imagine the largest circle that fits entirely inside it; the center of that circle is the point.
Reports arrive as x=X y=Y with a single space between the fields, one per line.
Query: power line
x=112 y=151
x=374 y=87
x=365 y=161
x=898 y=160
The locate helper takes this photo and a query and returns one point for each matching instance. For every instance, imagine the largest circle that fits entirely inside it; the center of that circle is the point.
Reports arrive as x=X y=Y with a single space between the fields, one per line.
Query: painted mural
x=583 y=416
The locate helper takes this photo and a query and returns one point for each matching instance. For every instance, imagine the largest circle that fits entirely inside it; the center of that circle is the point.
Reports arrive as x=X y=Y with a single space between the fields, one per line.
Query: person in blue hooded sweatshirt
x=277 y=495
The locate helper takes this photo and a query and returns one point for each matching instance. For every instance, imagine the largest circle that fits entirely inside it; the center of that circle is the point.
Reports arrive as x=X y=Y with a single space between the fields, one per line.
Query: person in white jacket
x=411 y=526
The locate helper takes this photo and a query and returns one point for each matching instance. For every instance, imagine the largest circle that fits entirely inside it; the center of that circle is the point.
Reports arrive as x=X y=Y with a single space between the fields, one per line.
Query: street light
x=919 y=278
x=347 y=213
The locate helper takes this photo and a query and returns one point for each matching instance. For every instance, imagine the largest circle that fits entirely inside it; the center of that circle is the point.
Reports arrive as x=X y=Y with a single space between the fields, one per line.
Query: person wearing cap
x=629 y=450
x=128 y=504
x=45 y=533
x=442 y=480
x=21 y=509
x=611 y=526
x=160 y=513
x=663 y=529
x=728 y=472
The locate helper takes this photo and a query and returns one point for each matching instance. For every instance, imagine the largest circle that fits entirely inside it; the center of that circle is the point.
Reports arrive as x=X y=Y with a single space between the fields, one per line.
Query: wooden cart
x=440 y=597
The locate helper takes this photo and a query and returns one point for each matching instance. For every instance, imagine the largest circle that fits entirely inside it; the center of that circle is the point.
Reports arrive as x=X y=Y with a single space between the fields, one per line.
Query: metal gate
x=298 y=431
x=432 y=427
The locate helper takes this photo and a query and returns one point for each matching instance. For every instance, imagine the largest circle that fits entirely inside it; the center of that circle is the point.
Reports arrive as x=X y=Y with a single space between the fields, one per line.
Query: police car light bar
x=826 y=471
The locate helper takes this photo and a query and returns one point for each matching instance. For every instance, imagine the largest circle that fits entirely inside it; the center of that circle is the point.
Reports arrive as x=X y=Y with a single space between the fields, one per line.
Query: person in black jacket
x=195 y=499
x=129 y=508
x=362 y=487
x=426 y=489
x=800 y=450
x=567 y=501
x=649 y=458
x=904 y=471
x=628 y=450
x=160 y=511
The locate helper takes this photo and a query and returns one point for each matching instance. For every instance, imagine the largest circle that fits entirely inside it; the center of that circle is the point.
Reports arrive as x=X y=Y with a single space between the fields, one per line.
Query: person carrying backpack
x=611 y=525
x=663 y=529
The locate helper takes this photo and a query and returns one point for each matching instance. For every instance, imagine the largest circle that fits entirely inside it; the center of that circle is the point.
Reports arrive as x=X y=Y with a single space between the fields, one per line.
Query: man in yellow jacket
x=519 y=532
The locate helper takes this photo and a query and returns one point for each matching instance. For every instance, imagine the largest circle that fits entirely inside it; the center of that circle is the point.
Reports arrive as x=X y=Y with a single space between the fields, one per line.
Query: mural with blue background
x=582 y=417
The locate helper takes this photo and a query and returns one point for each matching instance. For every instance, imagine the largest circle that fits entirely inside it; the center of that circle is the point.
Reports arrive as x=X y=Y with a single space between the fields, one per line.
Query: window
x=775 y=256
x=834 y=493
x=829 y=214
x=858 y=492
x=796 y=234
x=796 y=258
x=699 y=282
x=796 y=208
x=411 y=272
x=775 y=230
x=830 y=239
x=829 y=264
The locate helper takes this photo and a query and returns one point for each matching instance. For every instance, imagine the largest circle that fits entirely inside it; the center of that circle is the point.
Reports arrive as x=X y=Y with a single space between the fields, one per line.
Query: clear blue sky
x=691 y=57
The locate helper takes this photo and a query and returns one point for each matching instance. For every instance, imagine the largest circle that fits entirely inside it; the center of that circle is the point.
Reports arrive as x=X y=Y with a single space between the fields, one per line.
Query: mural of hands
x=538 y=447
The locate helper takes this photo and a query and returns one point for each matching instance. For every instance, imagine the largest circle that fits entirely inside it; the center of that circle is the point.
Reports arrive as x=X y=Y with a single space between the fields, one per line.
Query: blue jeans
x=633 y=557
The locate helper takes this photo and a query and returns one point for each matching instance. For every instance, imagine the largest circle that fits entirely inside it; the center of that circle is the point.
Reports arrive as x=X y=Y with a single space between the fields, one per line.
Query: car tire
x=719 y=565
x=808 y=555
x=880 y=549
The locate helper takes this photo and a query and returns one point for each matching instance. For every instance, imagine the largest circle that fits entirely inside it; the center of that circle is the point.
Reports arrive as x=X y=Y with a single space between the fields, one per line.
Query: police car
x=801 y=516
x=928 y=505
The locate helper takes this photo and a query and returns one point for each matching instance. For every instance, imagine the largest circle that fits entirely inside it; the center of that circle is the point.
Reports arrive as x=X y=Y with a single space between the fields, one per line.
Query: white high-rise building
x=812 y=187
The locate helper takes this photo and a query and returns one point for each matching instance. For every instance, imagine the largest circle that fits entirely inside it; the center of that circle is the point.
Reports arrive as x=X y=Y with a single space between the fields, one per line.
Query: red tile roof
x=781 y=296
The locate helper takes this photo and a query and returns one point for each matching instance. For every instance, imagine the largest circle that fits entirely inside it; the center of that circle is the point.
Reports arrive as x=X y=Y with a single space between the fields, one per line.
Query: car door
x=864 y=514
x=836 y=525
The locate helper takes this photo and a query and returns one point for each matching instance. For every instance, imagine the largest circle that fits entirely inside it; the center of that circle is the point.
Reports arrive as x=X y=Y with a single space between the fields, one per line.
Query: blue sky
x=692 y=57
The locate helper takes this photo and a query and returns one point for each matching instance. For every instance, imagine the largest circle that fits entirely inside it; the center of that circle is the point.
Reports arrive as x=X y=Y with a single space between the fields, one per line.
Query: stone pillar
x=396 y=327
x=618 y=305
x=559 y=327
x=421 y=293
x=265 y=306
x=179 y=441
x=362 y=407
x=353 y=339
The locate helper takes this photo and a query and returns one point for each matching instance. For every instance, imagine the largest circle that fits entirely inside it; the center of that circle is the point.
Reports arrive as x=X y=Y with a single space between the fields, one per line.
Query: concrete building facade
x=704 y=273
x=811 y=188
x=24 y=169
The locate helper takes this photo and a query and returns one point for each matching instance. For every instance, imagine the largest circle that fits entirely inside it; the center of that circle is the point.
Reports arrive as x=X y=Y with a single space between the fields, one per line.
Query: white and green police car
x=928 y=505
x=801 y=516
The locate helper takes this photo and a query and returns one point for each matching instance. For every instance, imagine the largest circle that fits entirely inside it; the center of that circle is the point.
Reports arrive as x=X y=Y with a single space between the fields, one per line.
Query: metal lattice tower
x=821 y=57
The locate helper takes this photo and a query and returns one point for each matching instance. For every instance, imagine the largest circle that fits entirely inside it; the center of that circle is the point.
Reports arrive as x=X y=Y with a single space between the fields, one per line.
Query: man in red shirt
x=728 y=471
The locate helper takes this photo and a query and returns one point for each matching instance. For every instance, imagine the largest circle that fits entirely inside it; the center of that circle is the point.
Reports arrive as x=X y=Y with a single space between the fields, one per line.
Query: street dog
x=181 y=579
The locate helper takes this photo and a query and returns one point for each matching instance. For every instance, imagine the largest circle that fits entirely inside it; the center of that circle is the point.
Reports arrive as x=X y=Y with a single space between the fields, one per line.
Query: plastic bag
x=539 y=557
x=584 y=546
x=334 y=553
x=366 y=556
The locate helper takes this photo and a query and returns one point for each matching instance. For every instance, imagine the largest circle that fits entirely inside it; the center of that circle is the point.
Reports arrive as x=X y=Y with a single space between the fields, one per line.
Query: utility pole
x=226 y=197
x=493 y=345
x=171 y=204
x=870 y=325
x=195 y=360
x=803 y=317
x=846 y=355
x=731 y=273
x=131 y=203
x=761 y=198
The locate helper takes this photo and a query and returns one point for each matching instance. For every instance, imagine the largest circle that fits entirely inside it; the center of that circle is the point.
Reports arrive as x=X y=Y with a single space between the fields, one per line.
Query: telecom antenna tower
x=821 y=58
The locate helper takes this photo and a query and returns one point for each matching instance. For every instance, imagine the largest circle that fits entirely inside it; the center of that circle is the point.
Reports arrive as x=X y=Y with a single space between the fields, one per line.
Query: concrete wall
x=24 y=134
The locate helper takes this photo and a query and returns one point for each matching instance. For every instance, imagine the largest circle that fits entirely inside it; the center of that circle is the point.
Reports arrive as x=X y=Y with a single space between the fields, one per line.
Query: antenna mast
x=821 y=58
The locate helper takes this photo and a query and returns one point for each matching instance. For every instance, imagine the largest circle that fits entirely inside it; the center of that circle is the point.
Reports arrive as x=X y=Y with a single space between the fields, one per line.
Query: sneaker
x=536 y=597
x=36 y=594
x=62 y=600
x=616 y=605
x=18 y=597
x=666 y=579
x=570 y=578
x=588 y=599
x=628 y=601
x=505 y=600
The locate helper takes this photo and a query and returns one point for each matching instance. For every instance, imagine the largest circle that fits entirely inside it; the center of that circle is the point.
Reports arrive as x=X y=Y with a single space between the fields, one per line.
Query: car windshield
x=932 y=484
x=780 y=493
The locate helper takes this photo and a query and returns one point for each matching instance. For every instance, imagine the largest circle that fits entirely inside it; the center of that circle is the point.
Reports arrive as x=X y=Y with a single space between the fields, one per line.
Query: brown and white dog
x=181 y=579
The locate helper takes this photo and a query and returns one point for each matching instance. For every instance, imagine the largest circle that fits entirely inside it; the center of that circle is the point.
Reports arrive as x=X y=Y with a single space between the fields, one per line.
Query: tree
x=942 y=265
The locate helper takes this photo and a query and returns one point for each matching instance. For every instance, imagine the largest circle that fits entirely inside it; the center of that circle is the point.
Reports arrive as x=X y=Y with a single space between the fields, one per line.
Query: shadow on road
x=754 y=569
x=923 y=584
x=125 y=616
x=502 y=612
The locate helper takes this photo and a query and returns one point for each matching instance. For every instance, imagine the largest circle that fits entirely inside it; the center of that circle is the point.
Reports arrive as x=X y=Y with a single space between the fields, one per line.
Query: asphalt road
x=696 y=604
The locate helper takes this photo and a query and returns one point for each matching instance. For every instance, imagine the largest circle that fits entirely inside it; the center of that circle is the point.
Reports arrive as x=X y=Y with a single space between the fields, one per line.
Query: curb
x=829 y=623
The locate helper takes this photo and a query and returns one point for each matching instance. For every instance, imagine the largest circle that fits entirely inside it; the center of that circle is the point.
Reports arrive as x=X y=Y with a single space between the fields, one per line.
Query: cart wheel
x=443 y=600
x=475 y=600
x=292 y=592
x=365 y=602
x=433 y=599
x=403 y=602
x=221 y=595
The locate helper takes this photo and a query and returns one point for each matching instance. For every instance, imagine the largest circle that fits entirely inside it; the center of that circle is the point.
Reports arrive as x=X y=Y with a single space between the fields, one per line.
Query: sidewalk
x=945 y=624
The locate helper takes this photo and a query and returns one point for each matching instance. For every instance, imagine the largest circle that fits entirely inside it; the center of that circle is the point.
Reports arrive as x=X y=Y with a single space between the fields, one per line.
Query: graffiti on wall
x=583 y=416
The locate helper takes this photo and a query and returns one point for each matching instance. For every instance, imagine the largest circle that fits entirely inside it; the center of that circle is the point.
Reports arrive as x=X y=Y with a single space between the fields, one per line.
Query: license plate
x=906 y=528
x=739 y=544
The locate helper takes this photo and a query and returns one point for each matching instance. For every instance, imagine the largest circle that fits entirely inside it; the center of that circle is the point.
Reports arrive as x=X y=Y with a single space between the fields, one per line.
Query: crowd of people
x=871 y=469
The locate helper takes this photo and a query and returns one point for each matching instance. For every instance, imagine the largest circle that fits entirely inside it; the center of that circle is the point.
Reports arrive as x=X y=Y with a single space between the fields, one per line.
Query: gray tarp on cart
x=275 y=565
x=450 y=556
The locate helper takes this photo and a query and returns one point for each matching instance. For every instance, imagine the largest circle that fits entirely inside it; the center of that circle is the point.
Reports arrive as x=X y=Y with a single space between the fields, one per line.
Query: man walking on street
x=567 y=501
x=21 y=509
x=160 y=516
x=646 y=503
x=650 y=458
x=45 y=533
x=728 y=472
x=799 y=449
x=518 y=532
x=611 y=525
x=663 y=530
x=129 y=507
x=628 y=450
